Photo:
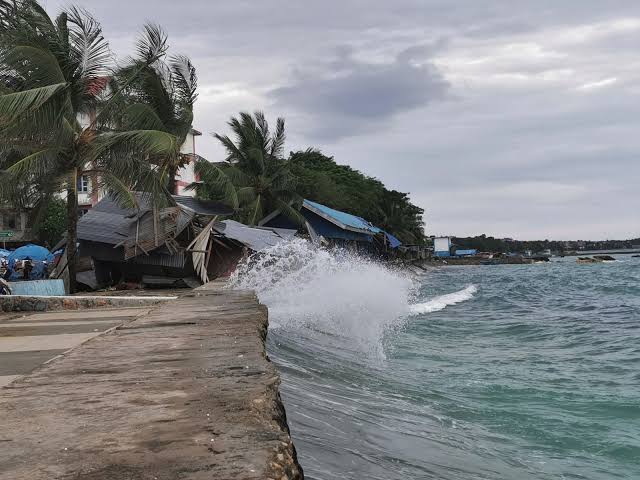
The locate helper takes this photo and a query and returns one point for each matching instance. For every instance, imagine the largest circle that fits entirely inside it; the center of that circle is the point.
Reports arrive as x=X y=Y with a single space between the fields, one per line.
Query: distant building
x=16 y=223
x=442 y=246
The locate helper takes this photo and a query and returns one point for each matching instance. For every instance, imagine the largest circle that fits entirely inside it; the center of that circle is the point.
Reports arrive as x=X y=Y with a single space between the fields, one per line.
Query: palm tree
x=254 y=178
x=53 y=80
x=161 y=97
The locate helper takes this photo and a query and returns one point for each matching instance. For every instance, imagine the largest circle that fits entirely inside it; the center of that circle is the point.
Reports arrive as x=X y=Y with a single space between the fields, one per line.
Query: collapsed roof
x=169 y=236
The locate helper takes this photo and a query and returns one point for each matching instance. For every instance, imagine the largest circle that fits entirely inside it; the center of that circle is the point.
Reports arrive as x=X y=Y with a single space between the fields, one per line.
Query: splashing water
x=336 y=293
x=443 y=301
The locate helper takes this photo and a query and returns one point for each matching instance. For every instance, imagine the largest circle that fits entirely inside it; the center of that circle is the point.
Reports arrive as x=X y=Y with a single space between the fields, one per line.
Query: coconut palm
x=254 y=178
x=161 y=97
x=54 y=99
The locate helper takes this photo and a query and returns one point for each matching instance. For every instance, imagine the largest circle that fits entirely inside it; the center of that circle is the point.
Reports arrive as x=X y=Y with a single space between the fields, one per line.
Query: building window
x=9 y=221
x=83 y=184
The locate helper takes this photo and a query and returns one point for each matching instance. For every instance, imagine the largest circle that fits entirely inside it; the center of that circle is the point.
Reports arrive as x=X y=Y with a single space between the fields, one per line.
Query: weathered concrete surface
x=185 y=392
x=28 y=340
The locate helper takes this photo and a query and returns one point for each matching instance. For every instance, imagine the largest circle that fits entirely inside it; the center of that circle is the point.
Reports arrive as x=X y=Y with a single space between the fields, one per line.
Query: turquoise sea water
x=532 y=374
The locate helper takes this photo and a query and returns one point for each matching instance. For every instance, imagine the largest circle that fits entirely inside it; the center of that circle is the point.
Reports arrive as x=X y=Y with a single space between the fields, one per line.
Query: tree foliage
x=159 y=93
x=52 y=226
x=321 y=179
x=254 y=178
x=55 y=113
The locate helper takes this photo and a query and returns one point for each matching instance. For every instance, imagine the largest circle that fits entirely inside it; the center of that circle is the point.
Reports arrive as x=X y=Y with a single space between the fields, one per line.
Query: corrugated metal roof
x=203 y=207
x=108 y=222
x=100 y=226
x=257 y=239
x=344 y=220
x=164 y=259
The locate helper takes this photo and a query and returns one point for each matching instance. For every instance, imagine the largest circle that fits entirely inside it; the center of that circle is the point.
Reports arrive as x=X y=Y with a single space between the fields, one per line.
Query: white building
x=442 y=246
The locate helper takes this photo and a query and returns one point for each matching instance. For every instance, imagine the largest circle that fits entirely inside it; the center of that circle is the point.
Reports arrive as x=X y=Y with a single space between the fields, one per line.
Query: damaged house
x=180 y=244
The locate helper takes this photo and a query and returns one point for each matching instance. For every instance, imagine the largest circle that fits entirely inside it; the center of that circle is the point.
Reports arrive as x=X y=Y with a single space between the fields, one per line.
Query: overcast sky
x=512 y=118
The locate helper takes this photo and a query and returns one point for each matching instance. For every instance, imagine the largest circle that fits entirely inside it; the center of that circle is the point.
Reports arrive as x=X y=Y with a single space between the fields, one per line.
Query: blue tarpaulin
x=40 y=257
x=47 y=288
x=465 y=253
x=4 y=253
x=393 y=241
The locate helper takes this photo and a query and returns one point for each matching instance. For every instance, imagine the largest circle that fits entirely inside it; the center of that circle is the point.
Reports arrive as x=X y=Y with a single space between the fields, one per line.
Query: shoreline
x=183 y=391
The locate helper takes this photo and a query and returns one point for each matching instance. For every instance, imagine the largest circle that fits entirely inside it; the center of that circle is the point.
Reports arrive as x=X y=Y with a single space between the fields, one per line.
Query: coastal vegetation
x=321 y=179
x=486 y=243
x=254 y=178
x=56 y=113
x=158 y=93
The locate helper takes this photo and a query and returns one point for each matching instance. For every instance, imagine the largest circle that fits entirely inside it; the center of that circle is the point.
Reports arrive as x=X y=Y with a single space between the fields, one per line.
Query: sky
x=512 y=118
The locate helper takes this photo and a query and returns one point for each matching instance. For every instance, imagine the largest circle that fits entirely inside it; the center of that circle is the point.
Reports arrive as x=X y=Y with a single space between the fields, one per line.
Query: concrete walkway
x=184 y=392
x=31 y=339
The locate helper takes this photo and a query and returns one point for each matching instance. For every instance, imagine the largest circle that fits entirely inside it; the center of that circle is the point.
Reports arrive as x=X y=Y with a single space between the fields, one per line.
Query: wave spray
x=335 y=293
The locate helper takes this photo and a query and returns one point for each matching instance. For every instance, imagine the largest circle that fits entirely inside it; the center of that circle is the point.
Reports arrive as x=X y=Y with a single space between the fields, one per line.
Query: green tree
x=399 y=216
x=55 y=109
x=53 y=224
x=160 y=97
x=254 y=178
x=321 y=179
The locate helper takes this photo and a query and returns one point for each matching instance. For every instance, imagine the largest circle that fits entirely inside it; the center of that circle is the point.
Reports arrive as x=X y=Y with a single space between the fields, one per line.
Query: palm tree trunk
x=72 y=233
x=172 y=185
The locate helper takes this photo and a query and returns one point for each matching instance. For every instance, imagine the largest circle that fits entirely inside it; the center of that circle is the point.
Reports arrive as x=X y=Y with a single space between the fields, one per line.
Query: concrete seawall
x=183 y=392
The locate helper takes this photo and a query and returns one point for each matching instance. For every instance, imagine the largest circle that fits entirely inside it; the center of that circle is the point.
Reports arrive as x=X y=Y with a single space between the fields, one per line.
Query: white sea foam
x=443 y=301
x=335 y=293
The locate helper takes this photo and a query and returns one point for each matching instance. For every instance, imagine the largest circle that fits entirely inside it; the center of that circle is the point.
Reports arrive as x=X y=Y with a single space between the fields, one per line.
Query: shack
x=335 y=228
x=180 y=244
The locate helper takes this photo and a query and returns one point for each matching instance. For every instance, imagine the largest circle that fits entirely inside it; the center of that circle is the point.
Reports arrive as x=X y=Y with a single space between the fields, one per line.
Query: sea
x=501 y=372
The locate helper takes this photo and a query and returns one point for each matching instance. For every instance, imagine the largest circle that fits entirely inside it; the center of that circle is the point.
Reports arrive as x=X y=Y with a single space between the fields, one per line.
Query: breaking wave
x=351 y=298
x=443 y=301
x=333 y=292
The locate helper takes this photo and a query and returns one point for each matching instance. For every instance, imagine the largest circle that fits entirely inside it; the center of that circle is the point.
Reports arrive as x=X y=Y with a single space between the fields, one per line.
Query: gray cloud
x=351 y=96
x=513 y=118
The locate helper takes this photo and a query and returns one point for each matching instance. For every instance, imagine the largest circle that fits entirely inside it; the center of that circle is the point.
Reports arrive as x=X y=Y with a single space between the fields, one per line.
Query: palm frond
x=247 y=195
x=215 y=183
x=89 y=46
x=289 y=210
x=185 y=79
x=142 y=142
x=31 y=66
x=141 y=116
x=152 y=45
x=278 y=139
x=13 y=105
x=39 y=164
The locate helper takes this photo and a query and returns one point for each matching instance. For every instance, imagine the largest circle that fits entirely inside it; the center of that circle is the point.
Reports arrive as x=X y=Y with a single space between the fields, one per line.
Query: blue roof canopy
x=342 y=219
x=332 y=223
x=393 y=241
